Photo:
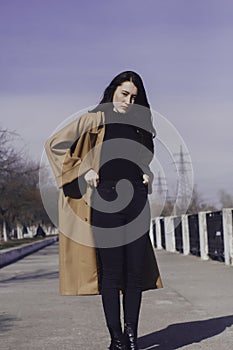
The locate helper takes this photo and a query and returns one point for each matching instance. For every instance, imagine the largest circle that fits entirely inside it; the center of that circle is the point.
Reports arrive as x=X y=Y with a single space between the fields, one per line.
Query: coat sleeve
x=64 y=163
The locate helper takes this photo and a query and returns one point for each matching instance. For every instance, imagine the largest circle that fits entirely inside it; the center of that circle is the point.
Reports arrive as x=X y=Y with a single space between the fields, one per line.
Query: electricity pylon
x=184 y=188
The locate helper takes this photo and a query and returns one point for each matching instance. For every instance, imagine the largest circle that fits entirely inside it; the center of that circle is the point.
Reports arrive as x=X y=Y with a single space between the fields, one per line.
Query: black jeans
x=121 y=260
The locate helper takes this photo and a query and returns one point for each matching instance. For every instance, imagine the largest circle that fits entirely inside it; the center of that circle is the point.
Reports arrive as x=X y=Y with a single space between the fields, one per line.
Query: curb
x=11 y=255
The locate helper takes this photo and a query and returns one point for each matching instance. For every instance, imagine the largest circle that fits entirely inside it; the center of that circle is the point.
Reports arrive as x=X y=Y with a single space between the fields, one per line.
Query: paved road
x=193 y=311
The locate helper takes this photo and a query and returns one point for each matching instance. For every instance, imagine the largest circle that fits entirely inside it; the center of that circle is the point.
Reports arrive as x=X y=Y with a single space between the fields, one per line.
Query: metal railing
x=206 y=234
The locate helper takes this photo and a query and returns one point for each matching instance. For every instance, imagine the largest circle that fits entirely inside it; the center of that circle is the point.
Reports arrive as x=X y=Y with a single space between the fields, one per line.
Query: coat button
x=137 y=131
x=86 y=219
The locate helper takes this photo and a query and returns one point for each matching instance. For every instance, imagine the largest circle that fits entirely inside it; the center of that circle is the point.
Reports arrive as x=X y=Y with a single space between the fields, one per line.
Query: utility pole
x=184 y=187
x=161 y=187
x=160 y=194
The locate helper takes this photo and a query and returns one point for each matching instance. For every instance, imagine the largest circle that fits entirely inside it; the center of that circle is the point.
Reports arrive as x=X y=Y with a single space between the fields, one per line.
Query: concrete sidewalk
x=194 y=310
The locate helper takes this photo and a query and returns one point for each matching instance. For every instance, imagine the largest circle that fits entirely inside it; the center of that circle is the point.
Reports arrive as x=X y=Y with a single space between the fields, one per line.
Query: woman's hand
x=146 y=179
x=92 y=178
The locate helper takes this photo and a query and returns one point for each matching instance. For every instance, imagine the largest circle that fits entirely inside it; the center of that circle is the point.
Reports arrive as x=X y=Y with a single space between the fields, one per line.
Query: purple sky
x=58 y=56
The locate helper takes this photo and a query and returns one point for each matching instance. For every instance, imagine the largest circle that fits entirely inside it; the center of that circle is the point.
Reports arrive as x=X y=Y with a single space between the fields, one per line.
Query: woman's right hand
x=92 y=178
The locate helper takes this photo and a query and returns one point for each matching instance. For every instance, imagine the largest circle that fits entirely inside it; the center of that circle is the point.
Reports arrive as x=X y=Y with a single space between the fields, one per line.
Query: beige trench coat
x=79 y=272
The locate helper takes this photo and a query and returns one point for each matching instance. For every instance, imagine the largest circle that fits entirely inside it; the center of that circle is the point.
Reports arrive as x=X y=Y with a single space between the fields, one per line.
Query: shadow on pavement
x=7 y=322
x=178 y=335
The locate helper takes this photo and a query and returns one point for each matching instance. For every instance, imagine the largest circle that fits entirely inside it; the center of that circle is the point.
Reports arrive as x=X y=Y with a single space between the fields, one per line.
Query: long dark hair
x=140 y=100
x=135 y=78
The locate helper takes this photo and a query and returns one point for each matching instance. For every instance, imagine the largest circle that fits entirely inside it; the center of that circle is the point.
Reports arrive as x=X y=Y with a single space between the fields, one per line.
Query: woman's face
x=124 y=96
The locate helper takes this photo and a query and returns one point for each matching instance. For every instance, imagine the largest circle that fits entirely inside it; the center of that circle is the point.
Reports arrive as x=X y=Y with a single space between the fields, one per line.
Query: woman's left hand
x=146 y=179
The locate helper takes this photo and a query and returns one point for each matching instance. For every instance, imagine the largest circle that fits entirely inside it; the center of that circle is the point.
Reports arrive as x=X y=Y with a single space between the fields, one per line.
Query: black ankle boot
x=131 y=337
x=117 y=340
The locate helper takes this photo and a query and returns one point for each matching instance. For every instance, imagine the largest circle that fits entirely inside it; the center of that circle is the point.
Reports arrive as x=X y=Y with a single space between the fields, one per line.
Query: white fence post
x=228 y=235
x=169 y=234
x=185 y=234
x=203 y=235
x=158 y=233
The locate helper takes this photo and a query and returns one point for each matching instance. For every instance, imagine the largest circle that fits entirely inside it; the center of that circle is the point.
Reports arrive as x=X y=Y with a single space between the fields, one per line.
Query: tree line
x=20 y=200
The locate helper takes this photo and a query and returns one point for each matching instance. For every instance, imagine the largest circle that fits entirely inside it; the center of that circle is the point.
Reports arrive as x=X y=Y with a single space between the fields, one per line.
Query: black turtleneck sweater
x=119 y=168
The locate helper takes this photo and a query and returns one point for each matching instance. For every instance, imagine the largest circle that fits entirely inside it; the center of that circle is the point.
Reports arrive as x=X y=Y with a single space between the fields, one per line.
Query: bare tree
x=198 y=204
x=20 y=201
x=225 y=199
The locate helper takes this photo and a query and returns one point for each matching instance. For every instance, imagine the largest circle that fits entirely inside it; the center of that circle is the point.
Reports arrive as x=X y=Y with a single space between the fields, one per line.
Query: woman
x=103 y=158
